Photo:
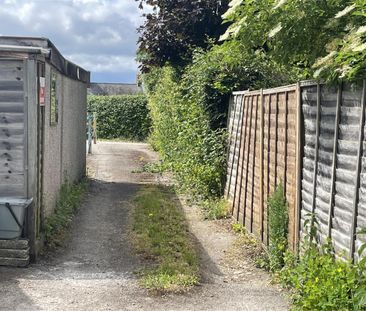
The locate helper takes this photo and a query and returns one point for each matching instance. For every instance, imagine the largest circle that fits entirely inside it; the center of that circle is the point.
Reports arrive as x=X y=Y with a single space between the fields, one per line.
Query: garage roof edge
x=44 y=46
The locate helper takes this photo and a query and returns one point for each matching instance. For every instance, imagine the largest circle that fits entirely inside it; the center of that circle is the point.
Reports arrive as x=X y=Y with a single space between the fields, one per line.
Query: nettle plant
x=278 y=228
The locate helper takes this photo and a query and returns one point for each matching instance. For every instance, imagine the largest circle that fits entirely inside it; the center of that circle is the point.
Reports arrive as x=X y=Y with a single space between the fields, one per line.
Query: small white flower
x=318 y=72
x=275 y=30
x=361 y=30
x=235 y=3
x=279 y=4
x=359 y=48
x=232 y=8
x=345 y=11
x=323 y=60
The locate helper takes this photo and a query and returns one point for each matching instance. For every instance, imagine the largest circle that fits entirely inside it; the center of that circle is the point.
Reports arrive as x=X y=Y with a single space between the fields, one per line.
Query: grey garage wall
x=64 y=150
x=52 y=176
x=73 y=126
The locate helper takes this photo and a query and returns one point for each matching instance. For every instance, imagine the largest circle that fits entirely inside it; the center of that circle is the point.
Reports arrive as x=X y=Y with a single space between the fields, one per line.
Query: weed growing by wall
x=55 y=228
x=278 y=228
x=319 y=281
x=123 y=116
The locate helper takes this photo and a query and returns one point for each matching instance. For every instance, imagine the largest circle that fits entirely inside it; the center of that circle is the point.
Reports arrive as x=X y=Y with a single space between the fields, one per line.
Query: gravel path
x=95 y=271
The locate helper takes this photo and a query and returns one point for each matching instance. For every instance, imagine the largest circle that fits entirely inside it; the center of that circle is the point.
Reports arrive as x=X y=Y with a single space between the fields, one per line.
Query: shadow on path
x=96 y=269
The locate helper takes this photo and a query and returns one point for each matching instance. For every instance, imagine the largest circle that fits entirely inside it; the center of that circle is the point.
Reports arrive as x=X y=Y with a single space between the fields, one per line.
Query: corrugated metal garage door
x=12 y=138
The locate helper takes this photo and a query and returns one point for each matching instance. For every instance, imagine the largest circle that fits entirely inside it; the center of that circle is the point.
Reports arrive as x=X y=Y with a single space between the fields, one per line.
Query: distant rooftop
x=114 y=89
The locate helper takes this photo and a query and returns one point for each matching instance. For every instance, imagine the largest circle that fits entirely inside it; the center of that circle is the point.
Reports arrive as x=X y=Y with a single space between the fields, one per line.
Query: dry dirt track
x=95 y=271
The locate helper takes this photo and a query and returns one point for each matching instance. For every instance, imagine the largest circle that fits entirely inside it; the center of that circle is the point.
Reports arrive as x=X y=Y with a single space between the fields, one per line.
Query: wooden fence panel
x=312 y=139
x=291 y=165
x=267 y=152
x=332 y=180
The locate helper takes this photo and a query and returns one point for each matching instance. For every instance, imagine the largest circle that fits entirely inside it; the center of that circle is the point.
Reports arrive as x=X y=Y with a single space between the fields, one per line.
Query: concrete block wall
x=64 y=150
x=52 y=176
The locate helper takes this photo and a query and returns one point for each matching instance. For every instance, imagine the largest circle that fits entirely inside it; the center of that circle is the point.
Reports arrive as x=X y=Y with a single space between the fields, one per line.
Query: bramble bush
x=122 y=116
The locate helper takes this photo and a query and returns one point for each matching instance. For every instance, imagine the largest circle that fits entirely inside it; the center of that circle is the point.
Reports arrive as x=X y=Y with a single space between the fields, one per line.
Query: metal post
x=95 y=133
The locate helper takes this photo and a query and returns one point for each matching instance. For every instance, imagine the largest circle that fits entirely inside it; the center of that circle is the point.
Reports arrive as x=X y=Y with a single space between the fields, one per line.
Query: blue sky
x=99 y=35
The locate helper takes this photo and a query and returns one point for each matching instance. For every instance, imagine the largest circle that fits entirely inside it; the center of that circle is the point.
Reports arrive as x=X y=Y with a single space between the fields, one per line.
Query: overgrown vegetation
x=267 y=43
x=189 y=107
x=320 y=281
x=121 y=117
x=278 y=228
x=316 y=278
x=161 y=235
x=216 y=208
x=321 y=39
x=55 y=228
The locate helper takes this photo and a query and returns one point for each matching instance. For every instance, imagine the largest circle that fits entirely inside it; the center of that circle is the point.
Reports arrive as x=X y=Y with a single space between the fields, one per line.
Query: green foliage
x=173 y=28
x=321 y=39
x=278 y=228
x=123 y=117
x=216 y=208
x=161 y=234
x=319 y=281
x=184 y=139
x=346 y=58
x=55 y=228
x=189 y=112
x=238 y=228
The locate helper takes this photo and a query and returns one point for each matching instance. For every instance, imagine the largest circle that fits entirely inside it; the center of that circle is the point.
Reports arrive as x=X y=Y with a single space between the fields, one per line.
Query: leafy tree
x=346 y=58
x=175 y=27
x=294 y=33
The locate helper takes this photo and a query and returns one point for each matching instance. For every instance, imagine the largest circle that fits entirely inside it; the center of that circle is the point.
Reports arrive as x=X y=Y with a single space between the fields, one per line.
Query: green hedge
x=189 y=112
x=123 y=116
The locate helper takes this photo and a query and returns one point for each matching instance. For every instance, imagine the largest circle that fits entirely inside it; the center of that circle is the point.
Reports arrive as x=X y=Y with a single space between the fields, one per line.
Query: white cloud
x=105 y=63
x=98 y=34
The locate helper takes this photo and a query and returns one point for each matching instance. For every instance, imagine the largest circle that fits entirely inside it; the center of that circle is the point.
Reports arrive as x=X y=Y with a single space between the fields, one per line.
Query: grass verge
x=161 y=235
x=56 y=226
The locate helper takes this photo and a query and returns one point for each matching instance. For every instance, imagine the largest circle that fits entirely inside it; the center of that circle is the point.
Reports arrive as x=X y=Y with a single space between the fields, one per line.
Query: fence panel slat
x=334 y=160
x=247 y=160
x=239 y=139
x=358 y=169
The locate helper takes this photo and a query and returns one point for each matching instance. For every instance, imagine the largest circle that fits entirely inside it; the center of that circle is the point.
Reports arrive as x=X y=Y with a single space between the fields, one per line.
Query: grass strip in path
x=161 y=235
